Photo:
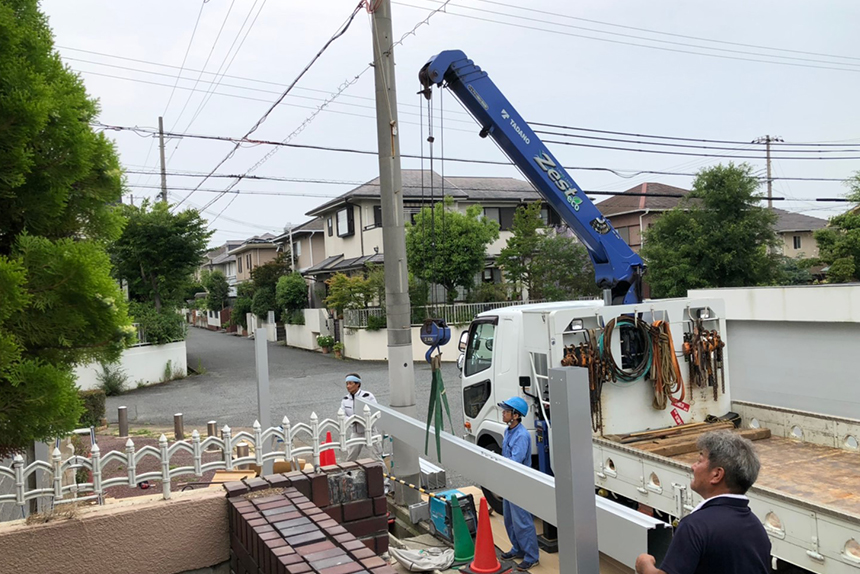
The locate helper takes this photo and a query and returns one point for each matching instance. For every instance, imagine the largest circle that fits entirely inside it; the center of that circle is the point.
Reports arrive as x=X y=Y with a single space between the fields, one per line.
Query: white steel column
x=573 y=468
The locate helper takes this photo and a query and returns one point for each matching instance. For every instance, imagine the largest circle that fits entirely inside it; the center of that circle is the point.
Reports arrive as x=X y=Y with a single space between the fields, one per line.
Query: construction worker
x=721 y=535
x=517 y=446
x=353 y=389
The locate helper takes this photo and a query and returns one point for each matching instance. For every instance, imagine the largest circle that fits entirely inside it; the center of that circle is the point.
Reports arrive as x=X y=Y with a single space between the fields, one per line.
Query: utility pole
x=401 y=377
x=767 y=141
x=163 y=167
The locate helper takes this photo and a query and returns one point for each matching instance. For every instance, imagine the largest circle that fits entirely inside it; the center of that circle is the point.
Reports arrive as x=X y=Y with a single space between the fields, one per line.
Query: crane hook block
x=434 y=334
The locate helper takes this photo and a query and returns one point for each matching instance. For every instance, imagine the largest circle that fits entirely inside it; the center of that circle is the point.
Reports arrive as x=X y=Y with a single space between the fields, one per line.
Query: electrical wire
x=149 y=132
x=520 y=26
x=843 y=143
x=263 y=118
x=698 y=38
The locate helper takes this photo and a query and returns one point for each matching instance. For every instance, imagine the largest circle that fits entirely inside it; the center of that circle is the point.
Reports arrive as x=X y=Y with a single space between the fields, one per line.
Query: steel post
x=122 y=417
x=261 y=354
x=573 y=468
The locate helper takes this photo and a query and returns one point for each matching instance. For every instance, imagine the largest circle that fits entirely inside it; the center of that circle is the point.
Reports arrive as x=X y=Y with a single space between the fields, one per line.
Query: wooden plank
x=656 y=443
x=685 y=447
x=682 y=431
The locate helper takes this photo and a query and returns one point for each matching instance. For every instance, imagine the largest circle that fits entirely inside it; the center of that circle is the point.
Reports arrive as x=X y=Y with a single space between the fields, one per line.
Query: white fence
x=96 y=462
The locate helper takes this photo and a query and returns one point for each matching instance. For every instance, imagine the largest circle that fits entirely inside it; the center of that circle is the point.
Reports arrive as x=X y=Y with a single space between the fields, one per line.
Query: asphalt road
x=301 y=383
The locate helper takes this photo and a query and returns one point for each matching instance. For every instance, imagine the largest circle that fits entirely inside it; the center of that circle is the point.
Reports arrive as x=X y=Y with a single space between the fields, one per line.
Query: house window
x=377 y=216
x=504 y=216
x=329 y=226
x=797 y=241
x=239 y=264
x=297 y=249
x=345 y=222
x=624 y=232
x=549 y=216
x=248 y=262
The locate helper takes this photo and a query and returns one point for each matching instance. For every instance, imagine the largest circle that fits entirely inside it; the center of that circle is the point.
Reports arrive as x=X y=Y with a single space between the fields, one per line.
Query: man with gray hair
x=721 y=535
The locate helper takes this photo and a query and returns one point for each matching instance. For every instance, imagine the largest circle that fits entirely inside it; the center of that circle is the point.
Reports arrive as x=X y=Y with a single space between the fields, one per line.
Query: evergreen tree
x=59 y=305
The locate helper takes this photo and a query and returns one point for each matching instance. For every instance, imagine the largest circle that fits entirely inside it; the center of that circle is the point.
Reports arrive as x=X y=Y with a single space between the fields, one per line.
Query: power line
x=263 y=118
x=693 y=154
x=676 y=138
x=531 y=123
x=521 y=26
x=253 y=142
x=624 y=193
x=355 y=182
x=602 y=23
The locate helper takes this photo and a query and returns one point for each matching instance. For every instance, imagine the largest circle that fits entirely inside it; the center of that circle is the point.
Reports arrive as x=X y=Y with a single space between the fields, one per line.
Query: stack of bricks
x=296 y=523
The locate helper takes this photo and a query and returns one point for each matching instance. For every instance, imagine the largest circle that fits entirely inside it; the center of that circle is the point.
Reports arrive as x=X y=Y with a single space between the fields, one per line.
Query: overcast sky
x=670 y=68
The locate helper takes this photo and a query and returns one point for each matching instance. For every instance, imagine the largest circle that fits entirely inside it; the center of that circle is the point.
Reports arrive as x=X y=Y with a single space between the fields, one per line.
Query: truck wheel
x=493 y=500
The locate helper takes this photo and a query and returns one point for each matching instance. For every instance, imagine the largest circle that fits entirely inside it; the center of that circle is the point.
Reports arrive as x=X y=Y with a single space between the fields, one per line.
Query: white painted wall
x=144 y=364
x=305 y=336
x=365 y=345
x=794 y=347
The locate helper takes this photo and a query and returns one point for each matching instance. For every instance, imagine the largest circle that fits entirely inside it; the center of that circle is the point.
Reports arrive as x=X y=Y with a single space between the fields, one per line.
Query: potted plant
x=325 y=342
x=338 y=350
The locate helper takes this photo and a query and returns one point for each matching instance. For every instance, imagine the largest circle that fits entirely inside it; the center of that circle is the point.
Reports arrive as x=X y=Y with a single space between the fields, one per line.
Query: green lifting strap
x=438 y=399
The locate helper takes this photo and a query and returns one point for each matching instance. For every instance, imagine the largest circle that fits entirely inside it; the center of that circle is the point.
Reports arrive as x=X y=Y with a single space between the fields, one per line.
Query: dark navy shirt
x=721 y=537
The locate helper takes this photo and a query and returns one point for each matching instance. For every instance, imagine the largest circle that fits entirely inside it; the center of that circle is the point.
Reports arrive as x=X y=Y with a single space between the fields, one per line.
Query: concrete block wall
x=331 y=522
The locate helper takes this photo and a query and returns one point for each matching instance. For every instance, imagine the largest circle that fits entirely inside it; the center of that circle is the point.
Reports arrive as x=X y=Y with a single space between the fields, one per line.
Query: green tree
x=217 y=290
x=158 y=251
x=291 y=292
x=522 y=250
x=447 y=247
x=59 y=305
x=348 y=292
x=718 y=236
x=242 y=304
x=563 y=270
x=839 y=242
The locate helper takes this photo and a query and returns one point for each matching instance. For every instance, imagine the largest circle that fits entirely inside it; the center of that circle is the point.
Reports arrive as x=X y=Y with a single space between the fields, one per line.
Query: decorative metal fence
x=141 y=335
x=455 y=314
x=227 y=443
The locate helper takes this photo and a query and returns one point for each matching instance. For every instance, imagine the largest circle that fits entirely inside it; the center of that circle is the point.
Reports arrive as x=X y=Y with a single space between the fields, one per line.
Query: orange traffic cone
x=327 y=457
x=485 y=561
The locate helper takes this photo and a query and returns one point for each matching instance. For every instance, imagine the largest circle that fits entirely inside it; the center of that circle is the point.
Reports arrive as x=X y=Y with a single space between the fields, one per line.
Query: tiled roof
x=324 y=265
x=790 y=221
x=308 y=228
x=418 y=185
x=631 y=203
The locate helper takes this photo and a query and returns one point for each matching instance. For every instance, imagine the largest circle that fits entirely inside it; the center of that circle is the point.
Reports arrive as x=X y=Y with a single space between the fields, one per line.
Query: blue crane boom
x=616 y=266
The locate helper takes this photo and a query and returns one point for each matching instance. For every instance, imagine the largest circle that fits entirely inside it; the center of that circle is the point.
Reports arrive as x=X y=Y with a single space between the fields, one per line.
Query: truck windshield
x=479 y=353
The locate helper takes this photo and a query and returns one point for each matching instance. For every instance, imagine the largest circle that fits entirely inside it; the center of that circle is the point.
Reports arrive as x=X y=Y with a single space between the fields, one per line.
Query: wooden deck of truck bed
x=818 y=475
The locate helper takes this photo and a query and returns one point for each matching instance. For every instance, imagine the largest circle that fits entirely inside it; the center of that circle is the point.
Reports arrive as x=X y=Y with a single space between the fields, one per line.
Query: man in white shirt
x=353 y=388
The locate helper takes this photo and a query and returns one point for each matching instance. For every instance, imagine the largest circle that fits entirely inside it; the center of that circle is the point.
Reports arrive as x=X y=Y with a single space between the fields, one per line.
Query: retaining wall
x=141 y=364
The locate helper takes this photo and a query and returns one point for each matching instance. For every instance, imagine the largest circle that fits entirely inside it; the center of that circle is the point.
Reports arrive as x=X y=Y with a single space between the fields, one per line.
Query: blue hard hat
x=516 y=404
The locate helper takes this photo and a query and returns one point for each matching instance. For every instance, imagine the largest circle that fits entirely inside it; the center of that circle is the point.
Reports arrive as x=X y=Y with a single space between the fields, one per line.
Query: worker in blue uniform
x=517 y=446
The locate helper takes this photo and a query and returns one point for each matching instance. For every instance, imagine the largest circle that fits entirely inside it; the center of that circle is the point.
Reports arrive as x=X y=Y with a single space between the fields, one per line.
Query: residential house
x=634 y=210
x=352 y=223
x=306 y=242
x=253 y=252
x=796 y=231
x=220 y=259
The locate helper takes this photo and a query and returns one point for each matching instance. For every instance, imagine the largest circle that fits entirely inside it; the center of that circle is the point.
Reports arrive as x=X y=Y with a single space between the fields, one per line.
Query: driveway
x=301 y=382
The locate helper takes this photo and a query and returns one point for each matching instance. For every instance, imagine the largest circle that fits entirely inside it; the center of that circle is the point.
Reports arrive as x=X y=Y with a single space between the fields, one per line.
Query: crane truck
x=807 y=493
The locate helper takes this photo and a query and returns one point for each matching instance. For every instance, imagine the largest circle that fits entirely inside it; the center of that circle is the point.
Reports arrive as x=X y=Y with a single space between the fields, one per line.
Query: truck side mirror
x=525 y=382
x=464 y=341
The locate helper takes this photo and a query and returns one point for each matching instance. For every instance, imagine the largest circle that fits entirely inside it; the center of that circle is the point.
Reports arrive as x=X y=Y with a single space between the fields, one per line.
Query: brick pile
x=331 y=522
